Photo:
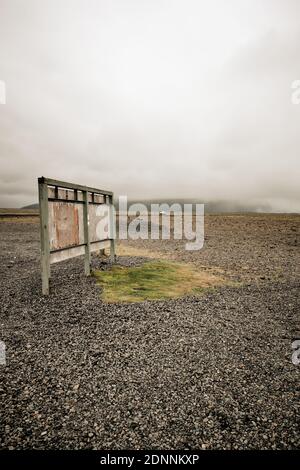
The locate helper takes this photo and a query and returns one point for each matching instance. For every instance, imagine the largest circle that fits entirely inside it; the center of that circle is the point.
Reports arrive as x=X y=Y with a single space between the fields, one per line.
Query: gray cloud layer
x=152 y=98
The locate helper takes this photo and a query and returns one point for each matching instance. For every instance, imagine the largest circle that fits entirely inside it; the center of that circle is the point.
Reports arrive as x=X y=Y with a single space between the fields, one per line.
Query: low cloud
x=152 y=99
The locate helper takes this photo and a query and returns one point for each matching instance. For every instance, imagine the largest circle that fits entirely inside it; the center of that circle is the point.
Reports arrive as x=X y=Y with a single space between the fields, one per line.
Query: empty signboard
x=75 y=220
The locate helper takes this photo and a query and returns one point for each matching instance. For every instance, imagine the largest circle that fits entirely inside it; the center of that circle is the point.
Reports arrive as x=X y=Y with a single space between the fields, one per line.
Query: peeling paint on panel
x=65 y=224
x=94 y=219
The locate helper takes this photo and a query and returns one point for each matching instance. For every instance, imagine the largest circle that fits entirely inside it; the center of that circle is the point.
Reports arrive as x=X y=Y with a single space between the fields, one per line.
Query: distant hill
x=211 y=207
x=31 y=206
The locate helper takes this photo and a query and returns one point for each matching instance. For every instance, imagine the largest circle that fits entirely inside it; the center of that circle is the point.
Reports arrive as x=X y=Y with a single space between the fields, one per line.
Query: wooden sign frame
x=59 y=200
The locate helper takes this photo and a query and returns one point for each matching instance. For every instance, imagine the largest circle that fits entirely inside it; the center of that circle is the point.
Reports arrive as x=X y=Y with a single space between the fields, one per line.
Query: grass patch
x=153 y=280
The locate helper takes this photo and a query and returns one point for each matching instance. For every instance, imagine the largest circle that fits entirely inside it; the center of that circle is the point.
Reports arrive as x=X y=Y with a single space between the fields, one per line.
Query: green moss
x=152 y=281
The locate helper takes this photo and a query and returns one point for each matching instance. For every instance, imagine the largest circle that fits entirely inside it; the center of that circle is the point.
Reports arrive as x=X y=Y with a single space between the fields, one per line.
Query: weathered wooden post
x=87 y=255
x=112 y=234
x=44 y=229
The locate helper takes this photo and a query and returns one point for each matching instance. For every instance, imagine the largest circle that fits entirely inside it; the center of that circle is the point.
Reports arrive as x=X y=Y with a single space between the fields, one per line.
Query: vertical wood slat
x=112 y=230
x=87 y=257
x=44 y=229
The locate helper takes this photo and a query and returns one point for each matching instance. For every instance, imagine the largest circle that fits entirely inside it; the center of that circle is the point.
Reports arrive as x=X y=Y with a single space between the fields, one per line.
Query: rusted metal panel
x=65 y=224
x=98 y=222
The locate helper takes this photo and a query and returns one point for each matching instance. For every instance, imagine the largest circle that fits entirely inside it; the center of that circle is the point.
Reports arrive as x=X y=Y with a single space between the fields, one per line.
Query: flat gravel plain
x=210 y=372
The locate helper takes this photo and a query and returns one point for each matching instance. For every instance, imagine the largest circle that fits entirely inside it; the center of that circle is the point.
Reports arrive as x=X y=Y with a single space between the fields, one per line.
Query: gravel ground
x=211 y=372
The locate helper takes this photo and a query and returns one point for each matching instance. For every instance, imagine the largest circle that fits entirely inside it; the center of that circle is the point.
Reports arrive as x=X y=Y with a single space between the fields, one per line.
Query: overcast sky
x=152 y=98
